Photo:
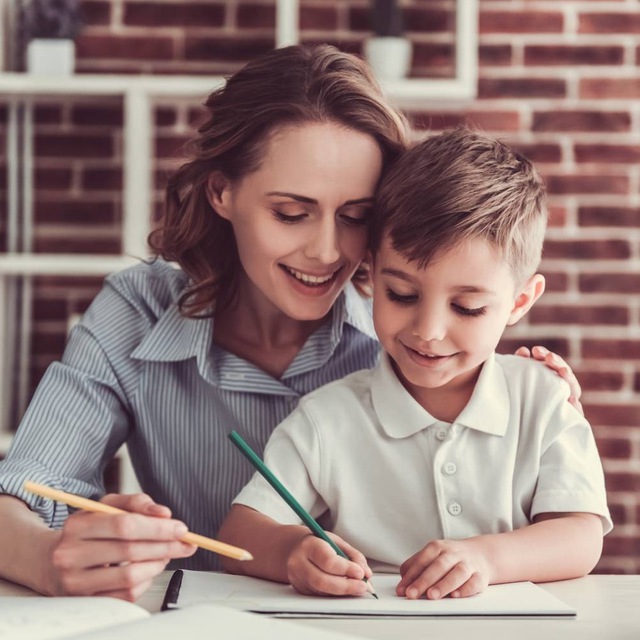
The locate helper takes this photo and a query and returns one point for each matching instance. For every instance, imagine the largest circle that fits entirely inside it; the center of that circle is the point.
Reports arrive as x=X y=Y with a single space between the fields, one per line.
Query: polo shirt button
x=454 y=509
x=450 y=468
x=441 y=434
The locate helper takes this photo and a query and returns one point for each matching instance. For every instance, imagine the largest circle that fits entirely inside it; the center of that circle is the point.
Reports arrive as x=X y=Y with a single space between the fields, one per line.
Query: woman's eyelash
x=287 y=219
x=474 y=313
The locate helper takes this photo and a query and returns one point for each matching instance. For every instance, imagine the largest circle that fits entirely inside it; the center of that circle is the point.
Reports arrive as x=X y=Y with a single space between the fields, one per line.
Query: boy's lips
x=426 y=358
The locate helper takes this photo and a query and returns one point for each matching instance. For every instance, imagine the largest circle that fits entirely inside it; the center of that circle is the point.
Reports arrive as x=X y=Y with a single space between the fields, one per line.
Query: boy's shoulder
x=529 y=373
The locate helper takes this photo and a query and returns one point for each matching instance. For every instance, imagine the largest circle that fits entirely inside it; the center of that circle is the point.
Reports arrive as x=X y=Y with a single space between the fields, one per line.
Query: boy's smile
x=440 y=323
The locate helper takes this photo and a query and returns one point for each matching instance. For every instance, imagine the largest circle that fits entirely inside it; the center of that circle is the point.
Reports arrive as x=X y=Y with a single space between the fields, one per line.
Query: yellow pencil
x=98 y=507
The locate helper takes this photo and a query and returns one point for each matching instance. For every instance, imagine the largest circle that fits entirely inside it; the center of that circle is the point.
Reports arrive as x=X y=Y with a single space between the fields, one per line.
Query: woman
x=267 y=223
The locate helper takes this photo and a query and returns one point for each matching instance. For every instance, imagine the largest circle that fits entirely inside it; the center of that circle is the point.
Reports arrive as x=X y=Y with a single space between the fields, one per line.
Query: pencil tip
x=246 y=556
x=375 y=595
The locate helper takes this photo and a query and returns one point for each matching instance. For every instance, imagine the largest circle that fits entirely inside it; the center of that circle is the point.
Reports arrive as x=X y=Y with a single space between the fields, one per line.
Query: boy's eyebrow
x=299 y=198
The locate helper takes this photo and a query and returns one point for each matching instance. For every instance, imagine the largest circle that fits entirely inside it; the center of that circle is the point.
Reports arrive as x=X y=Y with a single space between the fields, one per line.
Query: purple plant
x=51 y=19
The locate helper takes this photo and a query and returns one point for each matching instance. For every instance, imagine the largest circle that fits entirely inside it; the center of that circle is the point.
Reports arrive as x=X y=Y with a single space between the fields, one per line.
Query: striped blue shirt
x=136 y=371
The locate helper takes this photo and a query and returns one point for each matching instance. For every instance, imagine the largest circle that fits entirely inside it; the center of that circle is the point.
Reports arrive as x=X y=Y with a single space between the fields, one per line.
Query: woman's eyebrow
x=299 y=198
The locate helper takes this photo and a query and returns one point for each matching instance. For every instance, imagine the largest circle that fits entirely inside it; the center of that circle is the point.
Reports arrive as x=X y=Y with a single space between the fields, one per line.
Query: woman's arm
x=93 y=554
x=555 y=547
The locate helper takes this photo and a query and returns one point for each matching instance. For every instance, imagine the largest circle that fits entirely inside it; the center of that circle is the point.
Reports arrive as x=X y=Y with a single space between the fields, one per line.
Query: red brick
x=318 y=18
x=587 y=249
x=587 y=184
x=579 y=314
x=611 y=415
x=557 y=216
x=433 y=60
x=557 y=55
x=102 y=179
x=178 y=14
x=636 y=382
x=97 y=115
x=49 y=309
x=486 y=120
x=102 y=246
x=541 y=152
x=171 y=146
x=512 y=22
x=165 y=116
x=47 y=114
x=53 y=179
x=607 y=153
x=74 y=212
x=609 y=282
x=47 y=343
x=495 y=55
x=521 y=88
x=557 y=345
x=628 y=22
x=611 y=349
x=623 y=482
x=68 y=282
x=147 y=47
x=628 y=88
x=252 y=16
x=614 y=448
x=598 y=380
x=617 y=545
x=416 y=19
x=556 y=281
x=598 y=121
x=226 y=48
x=608 y=216
x=96 y=13
x=618 y=512
x=73 y=146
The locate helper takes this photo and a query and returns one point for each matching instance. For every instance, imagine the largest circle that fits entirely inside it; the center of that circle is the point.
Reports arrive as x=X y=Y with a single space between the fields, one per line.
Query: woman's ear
x=529 y=294
x=218 y=189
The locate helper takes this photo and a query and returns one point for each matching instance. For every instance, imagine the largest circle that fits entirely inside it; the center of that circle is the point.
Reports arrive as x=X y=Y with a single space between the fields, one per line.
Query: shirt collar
x=401 y=415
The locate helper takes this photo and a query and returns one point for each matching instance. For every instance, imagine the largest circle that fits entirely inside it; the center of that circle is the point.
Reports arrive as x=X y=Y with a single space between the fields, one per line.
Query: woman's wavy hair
x=287 y=86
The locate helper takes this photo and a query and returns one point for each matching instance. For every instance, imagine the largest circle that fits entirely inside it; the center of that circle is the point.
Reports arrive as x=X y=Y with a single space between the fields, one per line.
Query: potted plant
x=50 y=28
x=388 y=51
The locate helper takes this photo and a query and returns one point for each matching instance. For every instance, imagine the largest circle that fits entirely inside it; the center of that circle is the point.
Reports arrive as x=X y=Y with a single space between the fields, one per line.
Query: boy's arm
x=555 y=547
x=291 y=554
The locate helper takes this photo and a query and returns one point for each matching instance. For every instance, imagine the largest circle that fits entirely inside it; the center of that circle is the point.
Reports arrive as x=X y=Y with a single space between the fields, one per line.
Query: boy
x=457 y=466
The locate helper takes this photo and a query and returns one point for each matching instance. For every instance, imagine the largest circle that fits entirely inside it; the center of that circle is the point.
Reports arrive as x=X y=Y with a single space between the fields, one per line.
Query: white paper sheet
x=261 y=596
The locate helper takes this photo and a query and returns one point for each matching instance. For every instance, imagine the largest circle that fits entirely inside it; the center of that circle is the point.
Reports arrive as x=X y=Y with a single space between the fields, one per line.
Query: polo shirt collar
x=401 y=415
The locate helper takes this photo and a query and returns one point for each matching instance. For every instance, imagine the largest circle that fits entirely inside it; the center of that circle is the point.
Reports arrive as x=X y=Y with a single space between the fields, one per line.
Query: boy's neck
x=447 y=402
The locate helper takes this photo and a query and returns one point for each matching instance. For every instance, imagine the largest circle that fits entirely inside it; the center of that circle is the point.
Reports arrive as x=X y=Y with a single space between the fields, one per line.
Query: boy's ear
x=218 y=190
x=529 y=294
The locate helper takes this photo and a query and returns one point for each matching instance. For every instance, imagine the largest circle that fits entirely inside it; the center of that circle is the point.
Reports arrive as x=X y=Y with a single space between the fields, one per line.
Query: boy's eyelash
x=464 y=311
x=396 y=297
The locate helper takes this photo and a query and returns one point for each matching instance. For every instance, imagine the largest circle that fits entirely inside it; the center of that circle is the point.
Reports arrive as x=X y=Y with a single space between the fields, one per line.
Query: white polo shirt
x=377 y=469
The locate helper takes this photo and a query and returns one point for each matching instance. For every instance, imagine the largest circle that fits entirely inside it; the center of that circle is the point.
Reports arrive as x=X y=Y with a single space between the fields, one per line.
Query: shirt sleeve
x=571 y=478
x=293 y=455
x=78 y=417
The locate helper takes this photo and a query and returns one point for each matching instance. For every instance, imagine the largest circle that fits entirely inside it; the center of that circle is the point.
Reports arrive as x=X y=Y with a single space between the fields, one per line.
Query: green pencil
x=308 y=520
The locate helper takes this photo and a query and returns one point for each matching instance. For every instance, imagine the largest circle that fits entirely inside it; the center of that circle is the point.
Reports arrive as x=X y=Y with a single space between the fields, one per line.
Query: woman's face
x=300 y=220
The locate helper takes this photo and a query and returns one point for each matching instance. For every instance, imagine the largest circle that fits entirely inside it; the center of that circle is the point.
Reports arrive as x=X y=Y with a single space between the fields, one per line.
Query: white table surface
x=608 y=609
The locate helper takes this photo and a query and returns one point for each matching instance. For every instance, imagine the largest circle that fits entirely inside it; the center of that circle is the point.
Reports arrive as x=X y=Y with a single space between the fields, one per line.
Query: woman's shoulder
x=155 y=285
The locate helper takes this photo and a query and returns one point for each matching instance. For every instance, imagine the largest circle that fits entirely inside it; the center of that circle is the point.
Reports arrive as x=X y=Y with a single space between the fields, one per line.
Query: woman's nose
x=323 y=244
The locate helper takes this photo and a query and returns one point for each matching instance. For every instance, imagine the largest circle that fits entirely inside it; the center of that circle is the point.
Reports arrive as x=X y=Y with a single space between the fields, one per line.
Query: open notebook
x=260 y=596
x=30 y=618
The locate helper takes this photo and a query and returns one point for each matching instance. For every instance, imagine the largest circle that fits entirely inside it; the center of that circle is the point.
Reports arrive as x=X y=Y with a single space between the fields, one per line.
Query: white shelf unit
x=139 y=93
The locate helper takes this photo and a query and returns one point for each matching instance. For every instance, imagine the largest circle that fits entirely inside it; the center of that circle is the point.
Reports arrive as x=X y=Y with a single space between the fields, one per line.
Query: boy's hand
x=557 y=364
x=444 y=567
x=314 y=568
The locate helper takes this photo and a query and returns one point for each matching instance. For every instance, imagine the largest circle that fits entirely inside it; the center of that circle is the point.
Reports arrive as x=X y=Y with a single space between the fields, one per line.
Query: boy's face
x=439 y=324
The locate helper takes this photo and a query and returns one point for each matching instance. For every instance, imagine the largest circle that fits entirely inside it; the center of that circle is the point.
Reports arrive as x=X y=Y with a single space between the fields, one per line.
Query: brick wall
x=558 y=79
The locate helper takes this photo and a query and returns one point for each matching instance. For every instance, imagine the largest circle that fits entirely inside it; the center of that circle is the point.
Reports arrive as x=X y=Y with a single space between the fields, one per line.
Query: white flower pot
x=389 y=57
x=51 y=57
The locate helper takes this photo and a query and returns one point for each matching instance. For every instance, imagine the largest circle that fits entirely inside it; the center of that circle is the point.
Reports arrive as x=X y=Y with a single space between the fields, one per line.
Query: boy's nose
x=430 y=326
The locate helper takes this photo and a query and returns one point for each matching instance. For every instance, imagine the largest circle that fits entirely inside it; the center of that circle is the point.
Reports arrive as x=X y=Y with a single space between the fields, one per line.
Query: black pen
x=173 y=591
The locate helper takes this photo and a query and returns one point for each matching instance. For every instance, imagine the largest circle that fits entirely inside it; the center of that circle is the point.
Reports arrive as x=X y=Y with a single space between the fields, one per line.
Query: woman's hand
x=116 y=555
x=314 y=568
x=557 y=364
x=444 y=567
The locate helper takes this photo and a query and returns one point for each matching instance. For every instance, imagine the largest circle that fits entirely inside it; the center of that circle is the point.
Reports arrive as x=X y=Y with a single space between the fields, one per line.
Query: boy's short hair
x=458 y=185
